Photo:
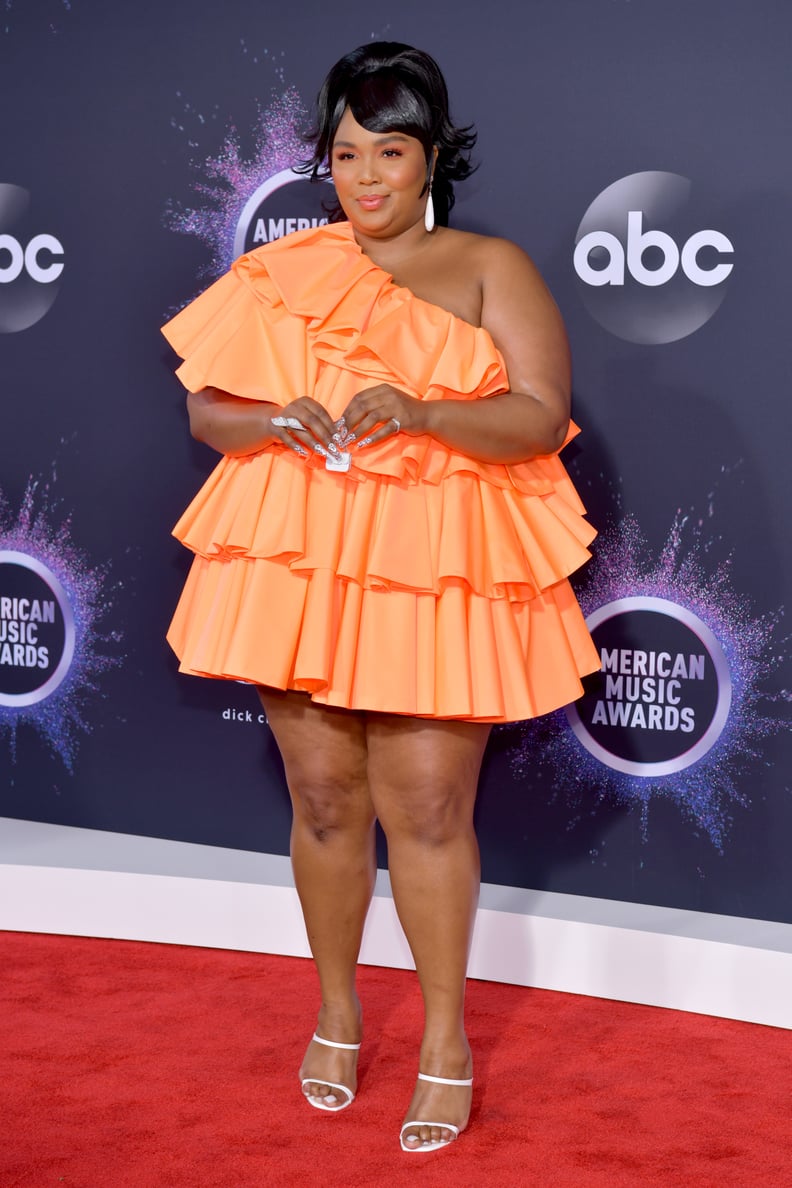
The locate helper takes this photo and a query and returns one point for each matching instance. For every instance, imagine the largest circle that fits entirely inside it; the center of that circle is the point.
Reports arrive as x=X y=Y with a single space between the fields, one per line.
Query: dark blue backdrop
x=116 y=121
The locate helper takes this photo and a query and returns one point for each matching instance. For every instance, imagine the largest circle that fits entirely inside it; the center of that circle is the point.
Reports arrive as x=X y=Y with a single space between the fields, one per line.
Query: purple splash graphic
x=707 y=790
x=60 y=718
x=231 y=177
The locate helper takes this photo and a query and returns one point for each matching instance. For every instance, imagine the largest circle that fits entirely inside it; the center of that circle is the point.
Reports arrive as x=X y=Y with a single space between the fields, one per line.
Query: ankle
x=449 y=1057
x=340 y=1020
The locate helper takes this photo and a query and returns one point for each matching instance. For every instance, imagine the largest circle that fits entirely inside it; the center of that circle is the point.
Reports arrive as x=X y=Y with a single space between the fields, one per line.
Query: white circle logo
x=662 y=697
x=36 y=630
x=647 y=270
x=284 y=203
x=31 y=263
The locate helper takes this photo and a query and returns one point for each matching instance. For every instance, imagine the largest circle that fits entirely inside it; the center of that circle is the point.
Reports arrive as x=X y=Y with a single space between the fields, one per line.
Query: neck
x=389 y=252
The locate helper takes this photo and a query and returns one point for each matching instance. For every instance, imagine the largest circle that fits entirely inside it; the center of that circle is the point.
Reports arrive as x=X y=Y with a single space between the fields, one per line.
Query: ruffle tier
x=421 y=582
x=453 y=655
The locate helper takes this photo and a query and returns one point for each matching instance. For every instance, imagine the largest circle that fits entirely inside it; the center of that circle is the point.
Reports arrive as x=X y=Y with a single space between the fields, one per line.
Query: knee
x=328 y=806
x=431 y=817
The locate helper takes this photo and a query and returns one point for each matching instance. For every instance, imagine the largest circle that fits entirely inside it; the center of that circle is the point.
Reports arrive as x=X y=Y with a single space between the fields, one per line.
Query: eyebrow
x=380 y=140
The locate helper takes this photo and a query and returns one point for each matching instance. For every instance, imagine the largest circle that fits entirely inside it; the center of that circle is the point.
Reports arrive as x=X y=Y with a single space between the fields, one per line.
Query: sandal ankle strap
x=443 y=1080
x=332 y=1044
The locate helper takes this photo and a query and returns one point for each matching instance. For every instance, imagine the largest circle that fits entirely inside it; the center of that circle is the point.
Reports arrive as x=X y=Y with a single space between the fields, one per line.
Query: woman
x=384 y=548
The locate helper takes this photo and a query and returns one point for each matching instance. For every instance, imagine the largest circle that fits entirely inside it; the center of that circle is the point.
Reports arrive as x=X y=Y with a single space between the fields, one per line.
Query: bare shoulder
x=518 y=310
x=473 y=275
x=501 y=259
x=494 y=260
x=514 y=305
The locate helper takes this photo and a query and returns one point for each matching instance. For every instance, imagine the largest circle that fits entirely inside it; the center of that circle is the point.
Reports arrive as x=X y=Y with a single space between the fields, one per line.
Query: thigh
x=323 y=749
x=424 y=770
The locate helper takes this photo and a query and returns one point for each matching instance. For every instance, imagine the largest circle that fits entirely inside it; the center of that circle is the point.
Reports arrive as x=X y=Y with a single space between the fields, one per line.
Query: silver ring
x=287 y=423
x=397 y=423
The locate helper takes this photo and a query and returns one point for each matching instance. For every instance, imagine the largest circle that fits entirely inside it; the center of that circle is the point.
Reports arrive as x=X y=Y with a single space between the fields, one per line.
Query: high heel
x=426 y=1145
x=318 y=1103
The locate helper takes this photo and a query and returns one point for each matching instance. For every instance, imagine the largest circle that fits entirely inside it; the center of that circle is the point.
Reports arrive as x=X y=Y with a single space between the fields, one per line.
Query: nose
x=368 y=173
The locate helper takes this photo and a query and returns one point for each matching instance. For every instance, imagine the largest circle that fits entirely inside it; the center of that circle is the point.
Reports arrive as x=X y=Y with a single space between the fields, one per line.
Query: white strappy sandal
x=427 y=1145
x=318 y=1103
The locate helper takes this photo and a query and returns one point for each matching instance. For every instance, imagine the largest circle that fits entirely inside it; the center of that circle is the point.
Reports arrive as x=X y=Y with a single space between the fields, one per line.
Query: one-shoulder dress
x=419 y=582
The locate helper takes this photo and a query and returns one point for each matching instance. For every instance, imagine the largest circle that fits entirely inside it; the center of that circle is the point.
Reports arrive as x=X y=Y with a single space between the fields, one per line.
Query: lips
x=371 y=201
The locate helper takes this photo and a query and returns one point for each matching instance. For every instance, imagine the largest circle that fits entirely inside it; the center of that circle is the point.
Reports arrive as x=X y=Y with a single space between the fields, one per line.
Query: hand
x=316 y=427
x=384 y=406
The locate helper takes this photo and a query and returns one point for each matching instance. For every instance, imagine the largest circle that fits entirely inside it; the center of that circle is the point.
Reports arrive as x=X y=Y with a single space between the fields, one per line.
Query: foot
x=440 y=1106
x=328 y=1074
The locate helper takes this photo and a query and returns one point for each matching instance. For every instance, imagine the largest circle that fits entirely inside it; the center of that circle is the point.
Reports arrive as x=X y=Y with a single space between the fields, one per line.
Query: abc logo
x=29 y=259
x=647 y=273
x=31 y=262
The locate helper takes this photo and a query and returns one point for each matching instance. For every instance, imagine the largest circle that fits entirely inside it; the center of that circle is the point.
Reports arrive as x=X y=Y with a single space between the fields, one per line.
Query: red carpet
x=150 y=1065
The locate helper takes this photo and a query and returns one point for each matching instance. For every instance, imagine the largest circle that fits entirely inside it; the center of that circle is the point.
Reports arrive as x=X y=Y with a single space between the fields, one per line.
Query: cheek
x=410 y=174
x=344 y=185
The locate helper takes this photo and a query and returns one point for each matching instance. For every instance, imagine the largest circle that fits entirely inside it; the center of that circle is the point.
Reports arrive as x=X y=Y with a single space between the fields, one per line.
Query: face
x=378 y=177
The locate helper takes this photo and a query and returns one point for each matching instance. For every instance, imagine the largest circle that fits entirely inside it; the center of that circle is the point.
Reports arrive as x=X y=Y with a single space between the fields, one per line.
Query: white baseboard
x=715 y=965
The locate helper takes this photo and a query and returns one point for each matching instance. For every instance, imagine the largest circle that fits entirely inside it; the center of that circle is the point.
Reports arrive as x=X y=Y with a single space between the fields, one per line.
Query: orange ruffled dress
x=420 y=582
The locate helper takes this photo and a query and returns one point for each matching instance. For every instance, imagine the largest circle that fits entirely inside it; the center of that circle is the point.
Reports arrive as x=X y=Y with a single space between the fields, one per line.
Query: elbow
x=196 y=413
x=557 y=433
x=196 y=430
x=547 y=423
x=551 y=434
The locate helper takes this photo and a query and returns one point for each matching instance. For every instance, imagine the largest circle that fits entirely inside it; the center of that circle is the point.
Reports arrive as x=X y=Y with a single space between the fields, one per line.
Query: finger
x=368 y=423
x=282 y=435
x=312 y=445
x=314 y=428
x=365 y=403
x=286 y=440
x=313 y=417
x=290 y=423
x=301 y=424
x=291 y=432
x=389 y=429
x=352 y=420
x=307 y=443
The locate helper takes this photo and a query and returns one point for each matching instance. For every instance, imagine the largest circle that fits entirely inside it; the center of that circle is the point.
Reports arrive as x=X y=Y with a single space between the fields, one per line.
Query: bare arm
x=228 y=423
x=236 y=426
x=533 y=417
x=524 y=322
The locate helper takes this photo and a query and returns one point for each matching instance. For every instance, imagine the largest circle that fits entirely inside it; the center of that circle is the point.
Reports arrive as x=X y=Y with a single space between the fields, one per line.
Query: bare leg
x=332 y=849
x=423 y=777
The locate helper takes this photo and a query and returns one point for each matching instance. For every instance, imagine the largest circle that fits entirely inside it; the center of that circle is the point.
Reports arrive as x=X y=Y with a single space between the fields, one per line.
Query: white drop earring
x=429 y=220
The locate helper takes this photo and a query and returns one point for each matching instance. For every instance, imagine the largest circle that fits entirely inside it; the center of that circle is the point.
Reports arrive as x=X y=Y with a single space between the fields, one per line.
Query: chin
x=371 y=224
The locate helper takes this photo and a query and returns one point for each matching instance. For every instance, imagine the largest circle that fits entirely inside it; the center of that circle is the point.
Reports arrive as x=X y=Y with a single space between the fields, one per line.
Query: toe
x=326 y=1096
x=420 y=1136
x=337 y=1067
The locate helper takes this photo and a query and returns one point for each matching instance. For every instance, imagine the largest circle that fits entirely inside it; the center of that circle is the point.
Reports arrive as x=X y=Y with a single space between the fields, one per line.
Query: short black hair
x=391 y=87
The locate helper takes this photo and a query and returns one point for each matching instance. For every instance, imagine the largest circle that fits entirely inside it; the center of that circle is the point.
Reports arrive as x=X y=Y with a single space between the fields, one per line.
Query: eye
x=343 y=155
x=392 y=152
